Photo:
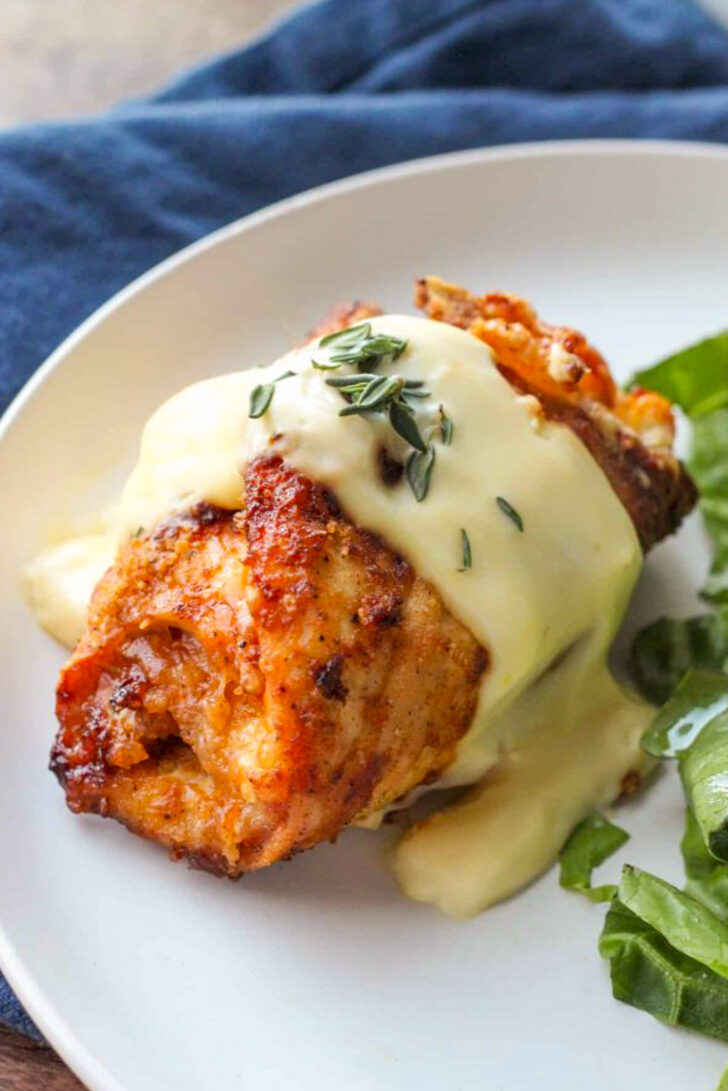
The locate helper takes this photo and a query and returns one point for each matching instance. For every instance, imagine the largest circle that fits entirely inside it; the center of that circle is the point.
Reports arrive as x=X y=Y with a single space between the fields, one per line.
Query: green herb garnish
x=378 y=393
x=414 y=395
x=348 y=335
x=260 y=399
x=262 y=395
x=327 y=366
x=419 y=471
x=358 y=345
x=354 y=386
x=351 y=384
x=590 y=844
x=447 y=428
x=467 y=552
x=402 y=420
x=510 y=511
x=367 y=392
x=370 y=393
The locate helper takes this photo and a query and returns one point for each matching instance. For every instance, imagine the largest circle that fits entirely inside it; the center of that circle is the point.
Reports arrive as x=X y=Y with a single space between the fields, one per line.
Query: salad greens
x=663 y=652
x=704 y=772
x=700 y=697
x=685 y=923
x=707 y=878
x=659 y=960
x=648 y=973
x=709 y=467
x=696 y=379
x=668 y=948
x=590 y=844
x=693 y=726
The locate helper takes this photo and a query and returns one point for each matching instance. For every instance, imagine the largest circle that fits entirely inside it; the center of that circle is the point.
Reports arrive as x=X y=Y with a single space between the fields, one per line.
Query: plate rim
x=79 y=1057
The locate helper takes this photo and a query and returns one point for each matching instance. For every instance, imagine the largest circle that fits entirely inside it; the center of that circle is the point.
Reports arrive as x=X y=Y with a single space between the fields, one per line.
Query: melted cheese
x=562 y=583
x=566 y=744
x=60 y=580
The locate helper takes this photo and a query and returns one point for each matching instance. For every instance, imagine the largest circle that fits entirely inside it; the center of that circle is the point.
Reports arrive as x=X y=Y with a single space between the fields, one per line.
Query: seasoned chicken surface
x=252 y=682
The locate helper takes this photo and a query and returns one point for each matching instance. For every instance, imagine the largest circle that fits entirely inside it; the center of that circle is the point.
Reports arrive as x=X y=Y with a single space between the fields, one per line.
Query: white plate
x=316 y=974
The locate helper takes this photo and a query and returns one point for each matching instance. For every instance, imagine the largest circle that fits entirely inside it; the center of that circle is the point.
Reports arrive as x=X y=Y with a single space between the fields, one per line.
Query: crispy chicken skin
x=629 y=434
x=252 y=682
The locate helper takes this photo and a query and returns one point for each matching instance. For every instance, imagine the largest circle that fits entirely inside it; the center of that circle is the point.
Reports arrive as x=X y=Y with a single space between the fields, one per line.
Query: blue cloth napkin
x=340 y=87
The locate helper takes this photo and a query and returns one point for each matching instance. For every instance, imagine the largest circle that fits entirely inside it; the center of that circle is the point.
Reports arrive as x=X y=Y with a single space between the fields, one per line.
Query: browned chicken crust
x=251 y=682
x=629 y=434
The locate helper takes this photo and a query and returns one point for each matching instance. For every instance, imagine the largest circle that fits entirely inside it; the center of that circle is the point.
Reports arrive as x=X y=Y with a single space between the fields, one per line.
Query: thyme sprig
x=360 y=346
x=369 y=393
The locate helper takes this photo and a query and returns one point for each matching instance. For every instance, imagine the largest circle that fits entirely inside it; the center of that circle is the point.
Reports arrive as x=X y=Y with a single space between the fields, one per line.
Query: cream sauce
x=60 y=580
x=528 y=597
x=567 y=743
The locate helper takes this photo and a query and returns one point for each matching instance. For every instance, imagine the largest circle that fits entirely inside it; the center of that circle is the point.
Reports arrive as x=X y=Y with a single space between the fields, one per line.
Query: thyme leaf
x=467 y=552
x=447 y=428
x=348 y=335
x=323 y=366
x=510 y=511
x=376 y=394
x=402 y=420
x=262 y=395
x=419 y=471
x=260 y=399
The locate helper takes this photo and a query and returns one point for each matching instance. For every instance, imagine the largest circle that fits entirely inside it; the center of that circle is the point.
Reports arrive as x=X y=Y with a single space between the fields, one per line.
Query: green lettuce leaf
x=687 y=924
x=704 y=773
x=590 y=844
x=666 y=650
x=707 y=878
x=667 y=948
x=708 y=464
x=701 y=697
x=696 y=378
x=650 y=974
x=693 y=726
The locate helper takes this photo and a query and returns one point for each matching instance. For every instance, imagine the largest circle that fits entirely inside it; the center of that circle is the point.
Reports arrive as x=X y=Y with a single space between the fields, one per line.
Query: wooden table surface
x=64 y=59
x=25 y=1066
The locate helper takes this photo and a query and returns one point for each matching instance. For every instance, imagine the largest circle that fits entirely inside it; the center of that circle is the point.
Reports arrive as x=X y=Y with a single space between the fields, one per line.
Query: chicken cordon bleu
x=391 y=562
